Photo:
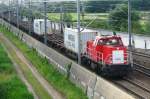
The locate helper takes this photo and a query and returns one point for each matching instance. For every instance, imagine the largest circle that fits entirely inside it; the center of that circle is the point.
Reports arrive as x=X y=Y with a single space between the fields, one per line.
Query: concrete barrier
x=94 y=86
x=59 y=60
x=107 y=90
x=83 y=78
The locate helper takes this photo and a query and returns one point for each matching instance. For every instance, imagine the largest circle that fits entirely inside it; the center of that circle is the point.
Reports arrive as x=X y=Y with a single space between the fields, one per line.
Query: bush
x=118 y=19
x=99 y=24
x=147 y=28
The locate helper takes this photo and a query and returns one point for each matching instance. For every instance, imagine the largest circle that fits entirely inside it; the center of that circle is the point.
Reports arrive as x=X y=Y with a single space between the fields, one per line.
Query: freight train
x=104 y=54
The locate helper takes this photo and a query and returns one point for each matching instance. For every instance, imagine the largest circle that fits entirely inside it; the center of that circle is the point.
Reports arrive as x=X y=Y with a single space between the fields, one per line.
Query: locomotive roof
x=107 y=37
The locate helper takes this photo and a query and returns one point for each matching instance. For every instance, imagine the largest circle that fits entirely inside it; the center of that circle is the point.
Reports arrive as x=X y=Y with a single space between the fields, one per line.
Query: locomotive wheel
x=93 y=66
x=99 y=70
x=84 y=60
x=89 y=62
x=104 y=72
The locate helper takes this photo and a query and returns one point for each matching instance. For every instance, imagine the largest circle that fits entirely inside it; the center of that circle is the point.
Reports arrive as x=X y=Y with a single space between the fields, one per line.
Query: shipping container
x=39 y=26
x=71 y=38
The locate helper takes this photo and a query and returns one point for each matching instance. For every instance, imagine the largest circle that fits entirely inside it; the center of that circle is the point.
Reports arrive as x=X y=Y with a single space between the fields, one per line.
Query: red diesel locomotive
x=107 y=55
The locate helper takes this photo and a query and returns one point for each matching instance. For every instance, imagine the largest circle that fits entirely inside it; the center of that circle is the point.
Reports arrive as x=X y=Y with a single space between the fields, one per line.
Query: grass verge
x=11 y=87
x=37 y=87
x=59 y=81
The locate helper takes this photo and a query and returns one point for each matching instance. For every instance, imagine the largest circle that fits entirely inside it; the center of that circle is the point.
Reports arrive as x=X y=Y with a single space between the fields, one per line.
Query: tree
x=141 y=5
x=118 y=18
x=101 y=6
x=67 y=18
x=106 y=5
x=24 y=12
x=147 y=26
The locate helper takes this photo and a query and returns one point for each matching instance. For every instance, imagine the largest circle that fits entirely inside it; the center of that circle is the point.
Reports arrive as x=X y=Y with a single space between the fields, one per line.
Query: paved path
x=51 y=91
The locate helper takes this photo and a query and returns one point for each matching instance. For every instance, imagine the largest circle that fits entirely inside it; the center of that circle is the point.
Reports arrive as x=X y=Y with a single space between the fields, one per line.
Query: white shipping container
x=71 y=39
x=39 y=26
x=56 y=26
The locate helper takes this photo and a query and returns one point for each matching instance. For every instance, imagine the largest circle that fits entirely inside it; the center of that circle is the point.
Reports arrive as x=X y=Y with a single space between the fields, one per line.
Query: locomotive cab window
x=114 y=42
x=101 y=42
x=111 y=42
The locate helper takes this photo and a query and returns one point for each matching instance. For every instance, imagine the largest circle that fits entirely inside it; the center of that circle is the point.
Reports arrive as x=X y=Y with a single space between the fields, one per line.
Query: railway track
x=142 y=69
x=134 y=87
x=133 y=84
x=137 y=83
x=142 y=63
x=130 y=86
x=142 y=54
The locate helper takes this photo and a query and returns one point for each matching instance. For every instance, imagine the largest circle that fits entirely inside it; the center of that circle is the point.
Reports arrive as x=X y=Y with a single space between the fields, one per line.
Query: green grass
x=87 y=17
x=11 y=87
x=54 y=16
x=37 y=87
x=100 y=22
x=59 y=81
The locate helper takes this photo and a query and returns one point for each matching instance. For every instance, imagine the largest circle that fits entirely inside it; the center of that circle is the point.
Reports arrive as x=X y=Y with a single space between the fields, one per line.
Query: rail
x=142 y=69
x=141 y=54
x=128 y=89
x=134 y=86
